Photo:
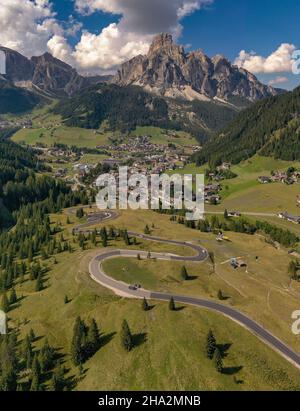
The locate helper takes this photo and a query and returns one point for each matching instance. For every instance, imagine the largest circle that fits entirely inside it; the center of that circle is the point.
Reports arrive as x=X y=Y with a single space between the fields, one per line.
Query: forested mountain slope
x=270 y=127
x=16 y=100
x=125 y=108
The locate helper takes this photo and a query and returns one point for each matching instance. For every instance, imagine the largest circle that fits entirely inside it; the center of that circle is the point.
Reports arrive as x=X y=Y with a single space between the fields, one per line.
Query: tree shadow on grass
x=224 y=348
x=139 y=339
x=232 y=371
x=180 y=308
x=106 y=338
x=71 y=383
x=192 y=277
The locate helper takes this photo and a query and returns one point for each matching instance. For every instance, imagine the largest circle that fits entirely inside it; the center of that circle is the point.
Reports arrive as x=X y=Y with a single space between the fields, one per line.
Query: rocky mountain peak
x=167 y=70
x=47 y=73
x=164 y=44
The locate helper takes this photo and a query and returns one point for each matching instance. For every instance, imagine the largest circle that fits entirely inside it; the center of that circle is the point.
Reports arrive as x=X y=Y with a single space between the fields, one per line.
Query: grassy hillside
x=163 y=357
x=245 y=193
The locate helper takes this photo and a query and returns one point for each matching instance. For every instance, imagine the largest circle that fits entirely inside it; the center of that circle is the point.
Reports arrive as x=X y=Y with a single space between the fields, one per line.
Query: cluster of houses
x=288 y=217
x=23 y=123
x=144 y=156
x=61 y=172
x=83 y=169
x=140 y=144
x=212 y=193
x=280 y=177
x=220 y=173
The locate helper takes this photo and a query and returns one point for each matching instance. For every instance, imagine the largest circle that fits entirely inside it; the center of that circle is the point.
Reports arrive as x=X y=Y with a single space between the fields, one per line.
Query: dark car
x=133 y=287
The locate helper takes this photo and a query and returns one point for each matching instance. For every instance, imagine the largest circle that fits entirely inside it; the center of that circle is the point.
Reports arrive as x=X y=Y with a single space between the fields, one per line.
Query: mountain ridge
x=169 y=71
x=45 y=74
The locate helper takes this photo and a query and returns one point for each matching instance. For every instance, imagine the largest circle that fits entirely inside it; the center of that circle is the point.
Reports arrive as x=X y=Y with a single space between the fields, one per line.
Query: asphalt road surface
x=201 y=254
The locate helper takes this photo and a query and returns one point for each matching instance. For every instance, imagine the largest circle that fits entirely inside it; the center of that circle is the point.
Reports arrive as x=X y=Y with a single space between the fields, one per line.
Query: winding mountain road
x=201 y=254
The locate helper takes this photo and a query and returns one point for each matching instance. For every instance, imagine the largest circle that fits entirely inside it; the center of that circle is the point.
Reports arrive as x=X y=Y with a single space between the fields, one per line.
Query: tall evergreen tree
x=93 y=337
x=36 y=375
x=27 y=352
x=39 y=283
x=58 y=379
x=126 y=337
x=5 y=303
x=211 y=344
x=78 y=341
x=13 y=297
x=145 y=305
x=184 y=274
x=46 y=357
x=172 y=305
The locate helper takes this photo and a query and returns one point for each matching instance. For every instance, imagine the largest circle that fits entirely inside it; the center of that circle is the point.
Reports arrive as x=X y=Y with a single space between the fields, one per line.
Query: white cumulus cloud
x=278 y=80
x=140 y=20
x=31 y=28
x=26 y=25
x=280 y=61
x=59 y=48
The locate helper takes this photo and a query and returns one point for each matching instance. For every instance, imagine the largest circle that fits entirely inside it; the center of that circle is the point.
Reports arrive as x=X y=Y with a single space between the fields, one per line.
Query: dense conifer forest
x=270 y=127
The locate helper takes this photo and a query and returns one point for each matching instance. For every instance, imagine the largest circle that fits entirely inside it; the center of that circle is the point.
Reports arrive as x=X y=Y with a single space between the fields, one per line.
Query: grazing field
x=163 y=137
x=63 y=135
x=48 y=129
x=163 y=358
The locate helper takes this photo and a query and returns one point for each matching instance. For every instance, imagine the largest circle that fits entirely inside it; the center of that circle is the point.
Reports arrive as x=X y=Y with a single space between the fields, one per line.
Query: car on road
x=134 y=287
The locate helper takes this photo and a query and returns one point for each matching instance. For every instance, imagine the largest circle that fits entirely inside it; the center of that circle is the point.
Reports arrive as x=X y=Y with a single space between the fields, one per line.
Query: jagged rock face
x=45 y=73
x=52 y=74
x=18 y=67
x=167 y=67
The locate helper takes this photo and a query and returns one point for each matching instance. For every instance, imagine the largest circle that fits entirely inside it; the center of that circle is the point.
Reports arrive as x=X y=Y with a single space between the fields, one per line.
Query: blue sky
x=103 y=33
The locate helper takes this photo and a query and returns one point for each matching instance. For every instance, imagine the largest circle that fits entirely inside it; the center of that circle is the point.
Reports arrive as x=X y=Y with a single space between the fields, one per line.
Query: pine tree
x=58 y=379
x=211 y=344
x=5 y=303
x=9 y=362
x=226 y=214
x=13 y=297
x=31 y=335
x=80 y=369
x=139 y=256
x=172 y=306
x=218 y=360
x=126 y=238
x=27 y=353
x=79 y=213
x=126 y=337
x=46 y=357
x=220 y=295
x=36 y=375
x=145 y=305
x=66 y=299
x=93 y=337
x=147 y=230
x=77 y=341
x=184 y=274
x=104 y=242
x=39 y=283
